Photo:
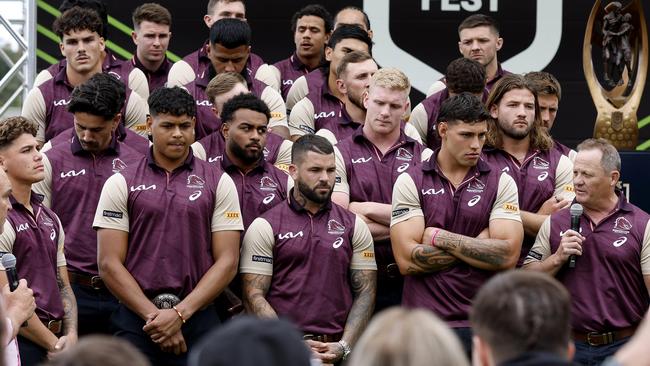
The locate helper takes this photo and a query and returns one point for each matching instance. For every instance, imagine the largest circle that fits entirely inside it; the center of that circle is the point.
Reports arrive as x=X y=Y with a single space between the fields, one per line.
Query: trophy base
x=619 y=129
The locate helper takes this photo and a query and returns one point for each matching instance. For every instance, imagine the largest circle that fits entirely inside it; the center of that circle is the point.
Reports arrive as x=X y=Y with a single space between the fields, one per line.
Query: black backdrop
x=422 y=28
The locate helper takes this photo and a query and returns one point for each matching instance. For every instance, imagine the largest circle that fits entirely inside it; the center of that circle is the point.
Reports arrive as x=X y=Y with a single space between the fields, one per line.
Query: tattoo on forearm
x=364 y=290
x=429 y=259
x=490 y=251
x=69 y=304
x=255 y=288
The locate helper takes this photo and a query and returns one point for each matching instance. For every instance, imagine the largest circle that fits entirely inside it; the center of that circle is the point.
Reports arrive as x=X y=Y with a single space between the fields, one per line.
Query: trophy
x=619 y=31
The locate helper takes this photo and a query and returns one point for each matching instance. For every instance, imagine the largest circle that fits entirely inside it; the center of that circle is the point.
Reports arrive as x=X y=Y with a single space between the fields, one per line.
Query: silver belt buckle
x=166 y=301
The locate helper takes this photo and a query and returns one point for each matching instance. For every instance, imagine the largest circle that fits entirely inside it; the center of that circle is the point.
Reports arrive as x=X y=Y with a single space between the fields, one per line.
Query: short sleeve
x=405 y=201
x=268 y=76
x=420 y=121
x=44 y=187
x=273 y=100
x=198 y=150
x=564 y=178
x=7 y=238
x=34 y=110
x=542 y=247
x=138 y=83
x=363 y=250
x=299 y=89
x=341 y=185
x=284 y=155
x=180 y=74
x=645 y=251
x=506 y=205
x=226 y=214
x=136 y=114
x=411 y=131
x=301 y=119
x=436 y=87
x=112 y=212
x=257 y=248
x=42 y=77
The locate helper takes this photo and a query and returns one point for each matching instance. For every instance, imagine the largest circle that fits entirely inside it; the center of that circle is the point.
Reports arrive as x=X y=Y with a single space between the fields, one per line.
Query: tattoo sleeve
x=427 y=259
x=255 y=287
x=69 y=302
x=489 y=253
x=364 y=290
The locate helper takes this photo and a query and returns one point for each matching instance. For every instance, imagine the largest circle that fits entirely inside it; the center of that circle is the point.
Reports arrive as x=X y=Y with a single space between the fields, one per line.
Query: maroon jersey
x=36 y=239
x=155 y=79
x=290 y=69
x=200 y=62
x=74 y=172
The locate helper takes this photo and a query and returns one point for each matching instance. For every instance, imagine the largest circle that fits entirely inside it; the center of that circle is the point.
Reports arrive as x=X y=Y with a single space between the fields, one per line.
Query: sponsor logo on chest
x=61 y=102
x=73 y=173
x=143 y=187
x=290 y=235
x=329 y=114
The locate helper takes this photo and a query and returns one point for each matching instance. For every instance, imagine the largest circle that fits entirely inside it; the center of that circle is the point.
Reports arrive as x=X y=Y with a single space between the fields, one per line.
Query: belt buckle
x=605 y=338
x=392 y=271
x=308 y=337
x=96 y=283
x=166 y=301
x=54 y=326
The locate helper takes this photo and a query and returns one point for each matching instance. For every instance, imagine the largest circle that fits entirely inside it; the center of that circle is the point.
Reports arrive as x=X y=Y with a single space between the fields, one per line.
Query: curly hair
x=175 y=101
x=244 y=101
x=101 y=95
x=78 y=19
x=316 y=10
x=12 y=128
x=465 y=75
x=97 y=5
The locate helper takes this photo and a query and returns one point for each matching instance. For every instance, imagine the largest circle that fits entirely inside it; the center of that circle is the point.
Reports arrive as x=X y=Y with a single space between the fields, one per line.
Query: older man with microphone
x=610 y=280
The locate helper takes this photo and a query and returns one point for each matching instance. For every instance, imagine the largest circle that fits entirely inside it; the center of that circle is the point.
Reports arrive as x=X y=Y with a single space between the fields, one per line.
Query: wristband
x=433 y=237
x=346 y=349
x=179 y=314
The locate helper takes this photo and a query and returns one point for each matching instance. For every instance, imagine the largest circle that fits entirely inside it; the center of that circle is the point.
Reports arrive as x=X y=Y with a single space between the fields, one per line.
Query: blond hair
x=404 y=337
x=391 y=78
x=223 y=83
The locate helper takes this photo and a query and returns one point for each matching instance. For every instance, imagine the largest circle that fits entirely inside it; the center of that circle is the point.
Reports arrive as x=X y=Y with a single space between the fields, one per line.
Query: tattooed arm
x=254 y=288
x=364 y=290
x=412 y=256
x=69 y=337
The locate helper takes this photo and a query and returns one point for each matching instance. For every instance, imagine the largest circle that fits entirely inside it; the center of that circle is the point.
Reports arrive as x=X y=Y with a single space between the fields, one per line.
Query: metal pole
x=30 y=32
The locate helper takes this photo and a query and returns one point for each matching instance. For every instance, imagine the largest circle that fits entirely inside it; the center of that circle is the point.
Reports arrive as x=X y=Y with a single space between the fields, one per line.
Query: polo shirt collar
x=297 y=207
x=35 y=198
x=187 y=164
x=296 y=64
x=162 y=70
x=228 y=165
x=113 y=147
x=431 y=165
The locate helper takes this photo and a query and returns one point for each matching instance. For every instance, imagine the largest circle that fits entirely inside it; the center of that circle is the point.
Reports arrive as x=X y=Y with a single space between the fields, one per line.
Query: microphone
x=576 y=211
x=9 y=263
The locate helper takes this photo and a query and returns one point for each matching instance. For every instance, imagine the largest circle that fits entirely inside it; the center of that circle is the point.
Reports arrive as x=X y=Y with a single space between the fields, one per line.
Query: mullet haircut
x=175 y=101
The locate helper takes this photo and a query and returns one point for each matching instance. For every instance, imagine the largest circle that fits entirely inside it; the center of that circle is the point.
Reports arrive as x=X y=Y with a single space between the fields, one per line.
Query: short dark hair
x=151 y=12
x=77 y=19
x=175 y=101
x=244 y=101
x=97 y=5
x=102 y=95
x=544 y=83
x=522 y=311
x=310 y=142
x=101 y=350
x=465 y=75
x=316 y=10
x=213 y=3
x=366 y=19
x=12 y=128
x=230 y=33
x=479 y=20
x=349 y=31
x=464 y=107
x=353 y=57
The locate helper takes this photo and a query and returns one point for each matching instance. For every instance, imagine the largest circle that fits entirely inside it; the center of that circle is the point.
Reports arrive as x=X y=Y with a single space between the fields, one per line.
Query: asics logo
x=474 y=201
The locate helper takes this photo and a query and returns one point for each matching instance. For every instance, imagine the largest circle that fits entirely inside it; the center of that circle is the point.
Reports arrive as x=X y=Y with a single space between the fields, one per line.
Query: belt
x=601 y=339
x=325 y=338
x=95 y=282
x=55 y=326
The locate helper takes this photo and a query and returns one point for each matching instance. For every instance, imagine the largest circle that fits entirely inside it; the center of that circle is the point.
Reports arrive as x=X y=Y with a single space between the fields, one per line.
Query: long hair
x=539 y=137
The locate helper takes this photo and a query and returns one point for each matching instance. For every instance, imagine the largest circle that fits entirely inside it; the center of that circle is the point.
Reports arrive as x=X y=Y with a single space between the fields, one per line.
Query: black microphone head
x=576 y=209
x=9 y=261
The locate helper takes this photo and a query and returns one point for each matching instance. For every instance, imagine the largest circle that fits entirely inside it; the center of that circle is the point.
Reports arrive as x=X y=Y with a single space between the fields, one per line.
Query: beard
x=247 y=157
x=515 y=133
x=311 y=194
x=357 y=100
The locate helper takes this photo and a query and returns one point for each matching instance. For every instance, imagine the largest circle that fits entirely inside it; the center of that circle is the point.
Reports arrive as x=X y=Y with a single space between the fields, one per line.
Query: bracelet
x=346 y=349
x=179 y=314
x=433 y=237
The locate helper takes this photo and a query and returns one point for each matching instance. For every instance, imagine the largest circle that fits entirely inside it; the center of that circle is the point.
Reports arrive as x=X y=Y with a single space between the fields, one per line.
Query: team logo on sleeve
x=399 y=212
x=335 y=228
x=622 y=226
x=510 y=207
x=262 y=259
x=268 y=184
x=307 y=129
x=194 y=181
x=539 y=163
x=277 y=115
x=118 y=165
x=476 y=186
x=403 y=154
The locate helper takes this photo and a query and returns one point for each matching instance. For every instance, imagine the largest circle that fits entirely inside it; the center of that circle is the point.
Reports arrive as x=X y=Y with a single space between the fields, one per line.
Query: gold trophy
x=620 y=31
